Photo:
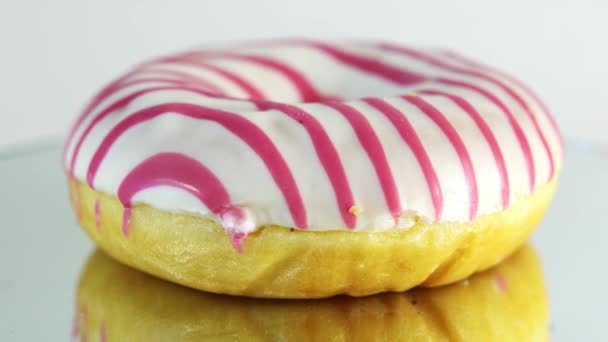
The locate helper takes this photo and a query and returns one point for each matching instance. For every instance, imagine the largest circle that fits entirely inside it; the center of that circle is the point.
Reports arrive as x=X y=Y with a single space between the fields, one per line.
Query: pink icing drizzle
x=239 y=126
x=463 y=154
x=410 y=137
x=519 y=133
x=328 y=156
x=116 y=86
x=401 y=76
x=457 y=57
x=372 y=146
x=488 y=135
x=175 y=170
x=439 y=63
x=126 y=220
x=182 y=172
x=324 y=147
x=368 y=64
x=306 y=90
x=186 y=78
x=252 y=91
x=118 y=105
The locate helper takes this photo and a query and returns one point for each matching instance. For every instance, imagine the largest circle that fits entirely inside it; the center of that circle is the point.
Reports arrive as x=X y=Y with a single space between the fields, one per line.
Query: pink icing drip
x=328 y=156
x=306 y=90
x=488 y=135
x=102 y=333
x=237 y=241
x=97 y=213
x=185 y=77
x=235 y=221
x=367 y=64
x=519 y=133
x=126 y=220
x=463 y=154
x=252 y=91
x=372 y=146
x=439 y=63
x=182 y=172
x=410 y=137
x=255 y=138
x=179 y=171
x=501 y=283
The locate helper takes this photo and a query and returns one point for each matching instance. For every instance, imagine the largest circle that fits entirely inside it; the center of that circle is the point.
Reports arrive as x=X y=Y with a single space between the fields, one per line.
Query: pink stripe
x=252 y=91
x=542 y=105
x=186 y=77
x=328 y=155
x=306 y=90
x=441 y=64
x=375 y=152
x=488 y=135
x=410 y=137
x=94 y=102
x=465 y=60
x=178 y=171
x=257 y=140
x=519 y=133
x=463 y=154
x=373 y=66
x=119 y=105
x=114 y=87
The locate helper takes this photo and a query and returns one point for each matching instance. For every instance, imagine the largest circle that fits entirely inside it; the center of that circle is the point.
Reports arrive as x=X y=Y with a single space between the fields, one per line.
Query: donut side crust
x=279 y=262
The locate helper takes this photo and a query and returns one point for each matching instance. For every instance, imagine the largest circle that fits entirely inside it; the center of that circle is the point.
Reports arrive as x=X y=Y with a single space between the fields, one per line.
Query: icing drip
x=102 y=332
x=126 y=220
x=238 y=222
x=97 y=213
x=501 y=283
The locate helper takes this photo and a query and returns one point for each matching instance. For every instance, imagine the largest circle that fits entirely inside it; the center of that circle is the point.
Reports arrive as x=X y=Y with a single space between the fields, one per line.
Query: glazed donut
x=506 y=303
x=301 y=169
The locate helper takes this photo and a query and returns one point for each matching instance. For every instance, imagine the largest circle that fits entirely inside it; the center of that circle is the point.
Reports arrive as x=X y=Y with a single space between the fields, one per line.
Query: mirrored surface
x=43 y=251
x=506 y=303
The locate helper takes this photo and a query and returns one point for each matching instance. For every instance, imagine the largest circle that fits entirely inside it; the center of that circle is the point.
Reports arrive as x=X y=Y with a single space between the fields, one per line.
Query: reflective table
x=42 y=250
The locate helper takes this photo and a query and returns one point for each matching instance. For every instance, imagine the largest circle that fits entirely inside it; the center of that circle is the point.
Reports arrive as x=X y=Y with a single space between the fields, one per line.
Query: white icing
x=247 y=179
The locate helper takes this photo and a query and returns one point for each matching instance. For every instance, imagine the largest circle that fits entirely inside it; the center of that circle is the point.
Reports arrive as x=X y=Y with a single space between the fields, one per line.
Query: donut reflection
x=506 y=303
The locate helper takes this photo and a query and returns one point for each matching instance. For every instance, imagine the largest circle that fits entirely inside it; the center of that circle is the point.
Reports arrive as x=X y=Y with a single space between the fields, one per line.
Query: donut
x=505 y=303
x=298 y=168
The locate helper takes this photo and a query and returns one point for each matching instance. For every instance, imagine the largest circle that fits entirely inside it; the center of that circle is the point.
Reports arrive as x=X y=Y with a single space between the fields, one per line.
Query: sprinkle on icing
x=355 y=210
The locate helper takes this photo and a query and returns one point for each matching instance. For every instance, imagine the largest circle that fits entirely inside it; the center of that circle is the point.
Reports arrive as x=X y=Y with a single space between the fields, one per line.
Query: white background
x=55 y=54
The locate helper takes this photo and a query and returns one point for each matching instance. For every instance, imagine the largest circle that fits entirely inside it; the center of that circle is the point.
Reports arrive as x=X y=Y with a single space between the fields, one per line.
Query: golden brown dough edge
x=279 y=262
